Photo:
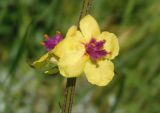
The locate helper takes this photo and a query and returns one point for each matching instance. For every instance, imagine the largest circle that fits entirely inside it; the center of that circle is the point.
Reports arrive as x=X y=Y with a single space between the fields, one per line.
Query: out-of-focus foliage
x=136 y=85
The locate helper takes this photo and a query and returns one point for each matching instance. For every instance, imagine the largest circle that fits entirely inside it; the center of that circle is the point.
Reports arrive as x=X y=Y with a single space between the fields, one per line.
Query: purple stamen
x=50 y=43
x=95 y=49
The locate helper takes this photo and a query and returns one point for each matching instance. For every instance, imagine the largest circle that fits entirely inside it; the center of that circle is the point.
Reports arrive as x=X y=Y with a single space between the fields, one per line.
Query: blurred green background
x=136 y=85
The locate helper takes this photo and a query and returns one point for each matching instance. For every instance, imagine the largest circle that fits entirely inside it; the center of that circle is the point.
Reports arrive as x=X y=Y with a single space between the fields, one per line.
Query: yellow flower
x=87 y=50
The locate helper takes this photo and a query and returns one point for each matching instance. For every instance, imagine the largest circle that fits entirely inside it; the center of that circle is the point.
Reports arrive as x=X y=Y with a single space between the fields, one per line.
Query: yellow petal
x=72 y=59
x=72 y=30
x=111 y=45
x=58 y=50
x=72 y=69
x=71 y=53
x=89 y=27
x=46 y=63
x=99 y=74
x=71 y=34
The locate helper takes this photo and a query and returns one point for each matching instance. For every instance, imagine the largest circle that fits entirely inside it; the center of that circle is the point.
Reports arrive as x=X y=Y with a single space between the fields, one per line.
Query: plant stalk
x=71 y=82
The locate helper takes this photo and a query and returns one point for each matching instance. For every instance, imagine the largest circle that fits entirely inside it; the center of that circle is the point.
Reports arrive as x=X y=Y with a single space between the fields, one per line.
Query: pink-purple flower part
x=95 y=49
x=51 y=42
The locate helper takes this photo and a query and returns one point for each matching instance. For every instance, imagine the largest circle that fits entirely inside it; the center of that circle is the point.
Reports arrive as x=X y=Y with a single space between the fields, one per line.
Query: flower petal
x=46 y=63
x=72 y=69
x=111 y=45
x=71 y=31
x=58 y=50
x=89 y=27
x=72 y=34
x=71 y=53
x=101 y=73
x=73 y=60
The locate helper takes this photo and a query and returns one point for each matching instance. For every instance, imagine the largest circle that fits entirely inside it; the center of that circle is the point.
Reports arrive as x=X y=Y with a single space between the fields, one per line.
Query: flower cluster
x=87 y=51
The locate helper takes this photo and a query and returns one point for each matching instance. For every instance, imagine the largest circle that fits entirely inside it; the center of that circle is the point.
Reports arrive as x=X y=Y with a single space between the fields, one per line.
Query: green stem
x=69 y=94
x=71 y=82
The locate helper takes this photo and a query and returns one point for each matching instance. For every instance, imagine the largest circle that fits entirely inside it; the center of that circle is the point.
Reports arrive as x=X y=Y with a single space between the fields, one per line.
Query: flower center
x=51 y=42
x=95 y=49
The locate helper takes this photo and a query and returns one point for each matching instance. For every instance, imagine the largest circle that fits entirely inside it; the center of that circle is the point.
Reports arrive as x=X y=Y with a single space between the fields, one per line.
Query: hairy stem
x=86 y=8
x=71 y=82
x=69 y=94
